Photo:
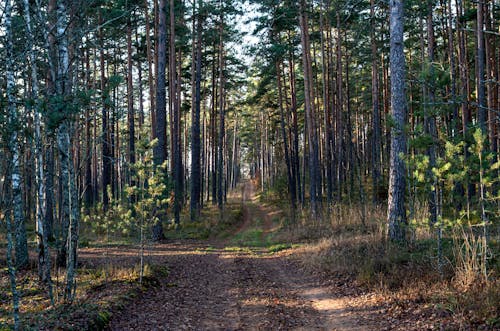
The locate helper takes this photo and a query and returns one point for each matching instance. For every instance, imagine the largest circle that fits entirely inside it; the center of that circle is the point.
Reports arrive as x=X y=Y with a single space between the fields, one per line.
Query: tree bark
x=313 y=158
x=196 y=187
x=14 y=126
x=41 y=221
x=152 y=105
x=377 y=132
x=481 y=93
x=176 y=119
x=13 y=176
x=106 y=143
x=160 y=149
x=222 y=129
x=130 y=98
x=396 y=215
x=430 y=121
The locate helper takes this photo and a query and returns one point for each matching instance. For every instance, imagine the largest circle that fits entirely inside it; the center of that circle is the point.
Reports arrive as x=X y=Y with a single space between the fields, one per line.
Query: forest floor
x=224 y=285
x=251 y=274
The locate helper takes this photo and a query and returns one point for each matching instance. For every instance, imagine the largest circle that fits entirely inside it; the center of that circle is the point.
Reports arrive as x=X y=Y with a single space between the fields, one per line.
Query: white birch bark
x=70 y=213
x=41 y=223
x=21 y=243
x=13 y=169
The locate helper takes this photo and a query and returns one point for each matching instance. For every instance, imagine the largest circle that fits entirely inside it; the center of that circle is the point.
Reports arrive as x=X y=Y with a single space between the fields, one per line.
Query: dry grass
x=352 y=245
x=100 y=290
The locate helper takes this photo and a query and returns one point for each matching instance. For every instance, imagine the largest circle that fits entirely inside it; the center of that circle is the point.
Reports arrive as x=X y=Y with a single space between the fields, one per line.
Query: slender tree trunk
x=325 y=42
x=313 y=161
x=213 y=130
x=12 y=177
x=160 y=149
x=41 y=222
x=130 y=99
x=176 y=116
x=222 y=129
x=291 y=183
x=430 y=121
x=377 y=132
x=14 y=125
x=295 y=129
x=196 y=187
x=49 y=188
x=140 y=86
x=106 y=143
x=89 y=196
x=340 y=141
x=481 y=93
x=490 y=78
x=152 y=106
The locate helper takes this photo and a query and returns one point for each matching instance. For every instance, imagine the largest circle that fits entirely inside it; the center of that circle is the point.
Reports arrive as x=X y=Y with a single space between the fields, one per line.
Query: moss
x=280 y=247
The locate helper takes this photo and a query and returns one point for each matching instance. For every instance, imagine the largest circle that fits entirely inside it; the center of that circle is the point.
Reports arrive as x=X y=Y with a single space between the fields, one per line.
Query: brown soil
x=218 y=289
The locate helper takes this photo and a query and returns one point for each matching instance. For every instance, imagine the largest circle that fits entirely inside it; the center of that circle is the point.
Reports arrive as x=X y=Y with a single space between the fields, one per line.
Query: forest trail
x=213 y=286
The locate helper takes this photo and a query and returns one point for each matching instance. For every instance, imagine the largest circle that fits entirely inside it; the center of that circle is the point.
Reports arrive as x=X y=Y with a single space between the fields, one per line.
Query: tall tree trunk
x=295 y=129
x=396 y=214
x=313 y=161
x=325 y=46
x=152 y=105
x=222 y=129
x=213 y=130
x=160 y=149
x=140 y=85
x=176 y=116
x=481 y=93
x=13 y=176
x=69 y=194
x=41 y=223
x=430 y=121
x=89 y=196
x=130 y=99
x=49 y=188
x=377 y=132
x=291 y=184
x=490 y=78
x=196 y=187
x=340 y=141
x=14 y=126
x=106 y=144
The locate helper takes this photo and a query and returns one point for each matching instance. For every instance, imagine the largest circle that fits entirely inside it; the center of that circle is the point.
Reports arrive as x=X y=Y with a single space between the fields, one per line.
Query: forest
x=249 y=164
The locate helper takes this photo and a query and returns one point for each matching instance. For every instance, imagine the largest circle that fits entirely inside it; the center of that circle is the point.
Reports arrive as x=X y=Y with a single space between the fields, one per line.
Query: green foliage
x=145 y=202
x=115 y=221
x=150 y=193
x=462 y=167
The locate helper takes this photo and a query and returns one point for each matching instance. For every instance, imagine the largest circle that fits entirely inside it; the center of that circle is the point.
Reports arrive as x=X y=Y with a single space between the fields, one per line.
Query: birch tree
x=13 y=176
x=41 y=221
x=14 y=127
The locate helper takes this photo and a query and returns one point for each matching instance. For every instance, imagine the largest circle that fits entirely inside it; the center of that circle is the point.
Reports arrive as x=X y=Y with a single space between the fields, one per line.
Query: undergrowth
x=349 y=245
x=101 y=291
x=210 y=225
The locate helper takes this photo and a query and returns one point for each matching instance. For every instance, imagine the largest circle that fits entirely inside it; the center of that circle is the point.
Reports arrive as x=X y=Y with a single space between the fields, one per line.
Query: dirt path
x=225 y=289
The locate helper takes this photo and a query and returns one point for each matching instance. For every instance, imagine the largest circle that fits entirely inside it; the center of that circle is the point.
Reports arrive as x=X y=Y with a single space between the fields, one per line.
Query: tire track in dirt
x=197 y=295
x=217 y=289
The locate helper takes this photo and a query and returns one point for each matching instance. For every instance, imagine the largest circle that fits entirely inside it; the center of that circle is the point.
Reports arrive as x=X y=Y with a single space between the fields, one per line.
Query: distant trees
x=377 y=108
x=335 y=106
x=96 y=75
